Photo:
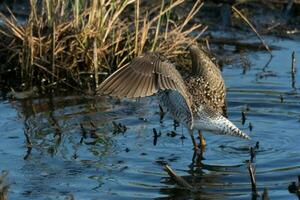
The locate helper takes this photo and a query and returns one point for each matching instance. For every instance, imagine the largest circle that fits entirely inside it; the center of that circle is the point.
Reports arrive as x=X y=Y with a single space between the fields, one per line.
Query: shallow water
x=128 y=165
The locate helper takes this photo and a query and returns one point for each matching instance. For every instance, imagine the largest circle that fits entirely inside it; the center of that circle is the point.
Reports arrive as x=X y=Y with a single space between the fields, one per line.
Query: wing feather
x=114 y=83
x=169 y=83
x=131 y=81
x=164 y=82
x=138 y=87
x=146 y=75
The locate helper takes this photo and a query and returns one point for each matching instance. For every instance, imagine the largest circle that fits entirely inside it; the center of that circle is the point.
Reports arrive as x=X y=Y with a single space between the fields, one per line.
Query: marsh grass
x=77 y=43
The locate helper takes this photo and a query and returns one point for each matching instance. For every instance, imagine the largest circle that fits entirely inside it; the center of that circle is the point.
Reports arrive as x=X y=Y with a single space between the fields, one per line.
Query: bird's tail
x=212 y=121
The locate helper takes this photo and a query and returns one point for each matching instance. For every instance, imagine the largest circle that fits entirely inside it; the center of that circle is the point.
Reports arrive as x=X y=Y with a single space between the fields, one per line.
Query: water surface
x=76 y=149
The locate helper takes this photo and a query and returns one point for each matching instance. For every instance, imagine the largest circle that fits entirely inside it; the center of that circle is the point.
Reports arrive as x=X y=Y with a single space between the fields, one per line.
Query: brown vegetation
x=75 y=42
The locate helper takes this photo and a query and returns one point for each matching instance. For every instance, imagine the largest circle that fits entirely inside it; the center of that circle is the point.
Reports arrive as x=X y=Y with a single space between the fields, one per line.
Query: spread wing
x=146 y=75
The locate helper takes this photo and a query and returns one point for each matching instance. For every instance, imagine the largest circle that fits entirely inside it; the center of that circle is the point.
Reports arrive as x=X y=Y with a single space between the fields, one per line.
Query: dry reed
x=75 y=43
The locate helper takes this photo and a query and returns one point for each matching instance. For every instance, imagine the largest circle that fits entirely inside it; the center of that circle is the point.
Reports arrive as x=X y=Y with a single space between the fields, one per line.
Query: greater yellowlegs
x=198 y=101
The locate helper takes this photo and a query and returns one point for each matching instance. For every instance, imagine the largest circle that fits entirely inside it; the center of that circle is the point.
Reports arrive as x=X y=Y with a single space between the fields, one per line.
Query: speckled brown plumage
x=204 y=95
x=206 y=82
x=198 y=102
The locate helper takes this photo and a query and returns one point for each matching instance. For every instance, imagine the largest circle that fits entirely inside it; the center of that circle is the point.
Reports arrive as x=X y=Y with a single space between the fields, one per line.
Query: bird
x=197 y=101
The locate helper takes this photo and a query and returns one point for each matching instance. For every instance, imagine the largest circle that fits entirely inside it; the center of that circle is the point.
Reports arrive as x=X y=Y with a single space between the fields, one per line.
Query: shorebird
x=198 y=101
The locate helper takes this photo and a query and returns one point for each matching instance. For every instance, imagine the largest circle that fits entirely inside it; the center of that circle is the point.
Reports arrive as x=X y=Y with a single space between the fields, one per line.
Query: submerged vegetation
x=74 y=43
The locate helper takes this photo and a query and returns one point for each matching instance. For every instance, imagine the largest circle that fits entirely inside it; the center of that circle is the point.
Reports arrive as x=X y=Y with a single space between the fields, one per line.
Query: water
x=129 y=166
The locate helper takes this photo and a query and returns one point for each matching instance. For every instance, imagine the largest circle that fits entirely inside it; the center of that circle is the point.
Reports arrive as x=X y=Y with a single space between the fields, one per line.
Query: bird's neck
x=195 y=65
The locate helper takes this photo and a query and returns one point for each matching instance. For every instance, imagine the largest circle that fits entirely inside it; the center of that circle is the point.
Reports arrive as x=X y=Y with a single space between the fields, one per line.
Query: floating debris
x=252 y=154
x=75 y=156
x=175 y=124
x=123 y=168
x=266 y=74
x=155 y=136
x=143 y=119
x=295 y=188
x=253 y=151
x=172 y=134
x=293 y=68
x=265 y=195
x=250 y=126
x=243 y=117
x=253 y=179
x=83 y=133
x=161 y=114
x=178 y=179
x=281 y=98
x=119 y=128
x=182 y=137
x=257 y=145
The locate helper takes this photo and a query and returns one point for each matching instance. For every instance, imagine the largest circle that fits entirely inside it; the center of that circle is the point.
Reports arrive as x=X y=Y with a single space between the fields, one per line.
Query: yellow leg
x=193 y=140
x=202 y=140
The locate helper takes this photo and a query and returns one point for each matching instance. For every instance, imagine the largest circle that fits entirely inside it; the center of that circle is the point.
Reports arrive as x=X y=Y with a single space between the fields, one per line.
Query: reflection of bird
x=198 y=102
